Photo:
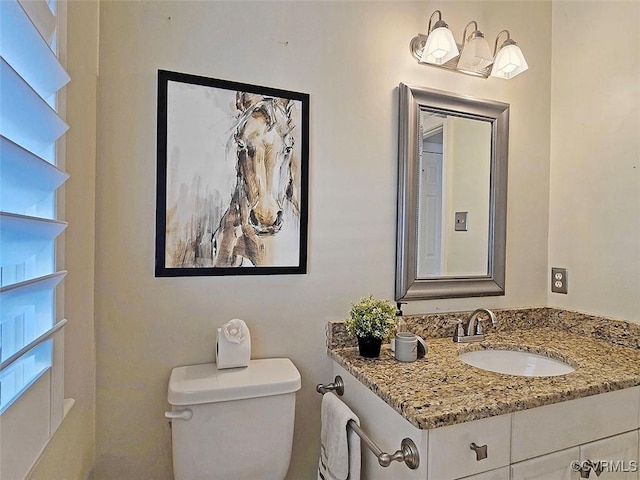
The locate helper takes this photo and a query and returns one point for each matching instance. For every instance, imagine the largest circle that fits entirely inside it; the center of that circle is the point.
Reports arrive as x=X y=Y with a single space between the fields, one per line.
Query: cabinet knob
x=587 y=466
x=481 y=451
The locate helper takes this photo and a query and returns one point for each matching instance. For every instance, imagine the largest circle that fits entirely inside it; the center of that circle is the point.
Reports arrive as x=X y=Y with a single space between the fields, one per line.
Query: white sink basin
x=516 y=363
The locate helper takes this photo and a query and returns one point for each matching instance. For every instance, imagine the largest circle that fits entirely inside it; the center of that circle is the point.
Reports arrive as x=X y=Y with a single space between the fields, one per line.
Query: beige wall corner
x=595 y=173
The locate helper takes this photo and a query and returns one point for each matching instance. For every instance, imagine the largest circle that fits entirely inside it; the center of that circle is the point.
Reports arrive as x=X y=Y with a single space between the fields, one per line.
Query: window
x=30 y=79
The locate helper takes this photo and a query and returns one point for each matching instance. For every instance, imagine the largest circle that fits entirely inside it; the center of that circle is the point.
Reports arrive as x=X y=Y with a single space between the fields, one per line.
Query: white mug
x=406 y=347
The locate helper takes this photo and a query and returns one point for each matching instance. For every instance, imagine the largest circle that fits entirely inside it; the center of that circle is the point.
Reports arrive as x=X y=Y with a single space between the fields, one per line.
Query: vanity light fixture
x=438 y=48
x=509 y=60
x=476 y=56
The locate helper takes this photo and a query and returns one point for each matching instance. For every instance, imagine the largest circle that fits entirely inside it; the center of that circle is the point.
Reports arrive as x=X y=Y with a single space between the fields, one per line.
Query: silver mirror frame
x=408 y=286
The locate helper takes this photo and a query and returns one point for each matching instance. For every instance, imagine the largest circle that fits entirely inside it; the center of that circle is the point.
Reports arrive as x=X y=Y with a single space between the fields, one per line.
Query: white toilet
x=233 y=424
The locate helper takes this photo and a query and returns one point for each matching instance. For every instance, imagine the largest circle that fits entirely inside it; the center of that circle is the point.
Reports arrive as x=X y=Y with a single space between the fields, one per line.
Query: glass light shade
x=440 y=47
x=509 y=62
x=476 y=55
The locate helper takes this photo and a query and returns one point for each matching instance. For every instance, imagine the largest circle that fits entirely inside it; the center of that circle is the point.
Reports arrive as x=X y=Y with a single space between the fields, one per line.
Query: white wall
x=350 y=57
x=595 y=157
x=469 y=186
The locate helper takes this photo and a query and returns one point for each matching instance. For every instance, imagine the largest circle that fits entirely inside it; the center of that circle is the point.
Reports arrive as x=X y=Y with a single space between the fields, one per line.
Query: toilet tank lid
x=196 y=384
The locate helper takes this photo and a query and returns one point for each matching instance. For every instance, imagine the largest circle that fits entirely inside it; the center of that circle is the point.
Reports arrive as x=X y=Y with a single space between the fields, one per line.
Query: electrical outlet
x=559 y=283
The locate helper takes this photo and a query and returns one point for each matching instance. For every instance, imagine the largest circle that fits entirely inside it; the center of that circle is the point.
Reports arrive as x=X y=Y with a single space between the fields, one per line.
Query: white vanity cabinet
x=598 y=428
x=617 y=456
x=536 y=444
x=497 y=474
x=450 y=455
x=386 y=428
x=444 y=452
x=554 y=466
x=613 y=458
x=552 y=428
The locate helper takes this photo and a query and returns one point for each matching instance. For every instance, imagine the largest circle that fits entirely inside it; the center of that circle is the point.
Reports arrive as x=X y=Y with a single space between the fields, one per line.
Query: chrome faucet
x=474 y=331
x=473 y=327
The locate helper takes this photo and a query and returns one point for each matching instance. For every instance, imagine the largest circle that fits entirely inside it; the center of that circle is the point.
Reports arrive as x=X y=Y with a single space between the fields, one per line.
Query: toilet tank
x=234 y=424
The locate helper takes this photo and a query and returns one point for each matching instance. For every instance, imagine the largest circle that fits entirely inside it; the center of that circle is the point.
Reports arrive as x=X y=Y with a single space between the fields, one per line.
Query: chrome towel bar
x=408 y=452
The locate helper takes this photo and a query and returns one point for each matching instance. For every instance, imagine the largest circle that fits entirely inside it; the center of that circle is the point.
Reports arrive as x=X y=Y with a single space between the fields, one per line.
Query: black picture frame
x=232 y=178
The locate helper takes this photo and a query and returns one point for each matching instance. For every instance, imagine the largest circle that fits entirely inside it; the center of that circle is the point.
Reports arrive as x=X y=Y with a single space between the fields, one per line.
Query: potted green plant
x=370 y=321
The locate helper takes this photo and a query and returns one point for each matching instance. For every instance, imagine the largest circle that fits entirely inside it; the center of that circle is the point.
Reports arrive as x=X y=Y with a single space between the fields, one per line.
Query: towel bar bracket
x=337 y=386
x=408 y=452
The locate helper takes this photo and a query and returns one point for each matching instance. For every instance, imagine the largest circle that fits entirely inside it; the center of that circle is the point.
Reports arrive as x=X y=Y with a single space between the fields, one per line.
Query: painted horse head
x=264 y=146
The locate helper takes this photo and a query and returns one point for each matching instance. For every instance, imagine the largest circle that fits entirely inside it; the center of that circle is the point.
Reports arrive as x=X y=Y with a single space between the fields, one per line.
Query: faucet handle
x=479 y=329
x=459 y=332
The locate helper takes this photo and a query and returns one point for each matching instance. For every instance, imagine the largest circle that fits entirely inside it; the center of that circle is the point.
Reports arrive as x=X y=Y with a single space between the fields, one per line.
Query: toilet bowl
x=234 y=424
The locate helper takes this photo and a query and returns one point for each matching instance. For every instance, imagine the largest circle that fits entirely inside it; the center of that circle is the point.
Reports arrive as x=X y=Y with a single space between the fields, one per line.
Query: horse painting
x=267 y=182
x=232 y=162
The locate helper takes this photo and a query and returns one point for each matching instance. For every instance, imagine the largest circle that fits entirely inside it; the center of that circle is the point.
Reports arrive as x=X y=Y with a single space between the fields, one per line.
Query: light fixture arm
x=464 y=33
x=436 y=24
x=508 y=41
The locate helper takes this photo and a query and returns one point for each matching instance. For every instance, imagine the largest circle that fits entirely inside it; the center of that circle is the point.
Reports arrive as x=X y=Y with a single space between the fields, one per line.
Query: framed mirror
x=452 y=195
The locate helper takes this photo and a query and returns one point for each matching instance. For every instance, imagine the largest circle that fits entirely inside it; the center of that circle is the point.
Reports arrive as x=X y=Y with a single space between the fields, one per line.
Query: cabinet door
x=552 y=428
x=498 y=474
x=561 y=465
x=616 y=457
x=451 y=455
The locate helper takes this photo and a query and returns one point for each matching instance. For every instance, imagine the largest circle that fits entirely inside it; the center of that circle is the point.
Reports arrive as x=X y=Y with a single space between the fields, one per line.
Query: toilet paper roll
x=229 y=352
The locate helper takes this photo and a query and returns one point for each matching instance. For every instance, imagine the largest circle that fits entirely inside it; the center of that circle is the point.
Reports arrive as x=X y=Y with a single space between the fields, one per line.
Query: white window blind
x=30 y=77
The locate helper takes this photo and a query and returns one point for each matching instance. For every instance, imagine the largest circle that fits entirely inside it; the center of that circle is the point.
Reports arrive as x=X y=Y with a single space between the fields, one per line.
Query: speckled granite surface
x=441 y=390
x=441 y=325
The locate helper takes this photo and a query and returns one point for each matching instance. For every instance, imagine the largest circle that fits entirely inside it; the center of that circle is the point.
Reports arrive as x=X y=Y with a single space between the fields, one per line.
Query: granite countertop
x=441 y=390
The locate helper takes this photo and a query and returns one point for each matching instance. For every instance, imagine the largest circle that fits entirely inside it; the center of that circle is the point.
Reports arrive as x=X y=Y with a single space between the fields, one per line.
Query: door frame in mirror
x=408 y=285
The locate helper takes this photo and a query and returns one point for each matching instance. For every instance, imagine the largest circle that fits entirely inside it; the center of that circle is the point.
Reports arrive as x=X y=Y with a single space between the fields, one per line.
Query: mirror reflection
x=453 y=195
